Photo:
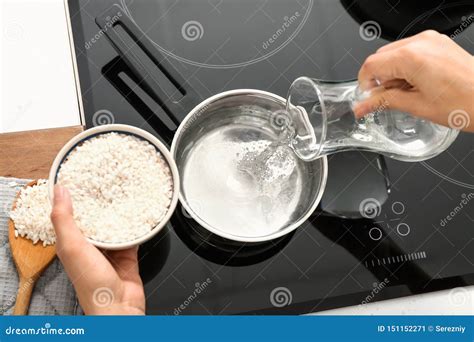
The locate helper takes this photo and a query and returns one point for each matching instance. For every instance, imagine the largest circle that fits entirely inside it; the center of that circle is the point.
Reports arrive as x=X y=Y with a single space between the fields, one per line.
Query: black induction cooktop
x=418 y=238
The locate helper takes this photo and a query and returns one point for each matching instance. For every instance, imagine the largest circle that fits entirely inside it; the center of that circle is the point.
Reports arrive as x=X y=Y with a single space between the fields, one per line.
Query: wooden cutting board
x=30 y=154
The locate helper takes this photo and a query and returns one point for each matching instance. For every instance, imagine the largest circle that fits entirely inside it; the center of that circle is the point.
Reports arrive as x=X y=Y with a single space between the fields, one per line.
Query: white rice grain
x=121 y=187
x=32 y=214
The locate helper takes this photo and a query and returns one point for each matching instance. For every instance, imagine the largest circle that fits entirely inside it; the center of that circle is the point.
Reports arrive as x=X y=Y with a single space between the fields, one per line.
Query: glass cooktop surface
x=419 y=237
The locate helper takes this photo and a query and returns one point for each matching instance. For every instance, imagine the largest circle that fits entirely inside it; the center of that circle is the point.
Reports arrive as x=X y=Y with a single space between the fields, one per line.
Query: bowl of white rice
x=123 y=181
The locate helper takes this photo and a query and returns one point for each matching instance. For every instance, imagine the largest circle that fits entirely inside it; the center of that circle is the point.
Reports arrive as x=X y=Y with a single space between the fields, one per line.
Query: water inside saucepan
x=243 y=179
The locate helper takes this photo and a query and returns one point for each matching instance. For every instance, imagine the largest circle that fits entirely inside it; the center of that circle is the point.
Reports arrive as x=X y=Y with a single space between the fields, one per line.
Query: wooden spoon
x=30 y=260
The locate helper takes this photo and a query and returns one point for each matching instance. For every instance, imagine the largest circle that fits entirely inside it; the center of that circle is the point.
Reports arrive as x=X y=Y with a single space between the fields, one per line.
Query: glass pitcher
x=323 y=122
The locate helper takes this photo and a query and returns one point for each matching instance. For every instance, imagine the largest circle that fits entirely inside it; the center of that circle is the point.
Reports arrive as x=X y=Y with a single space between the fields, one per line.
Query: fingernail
x=368 y=85
x=58 y=193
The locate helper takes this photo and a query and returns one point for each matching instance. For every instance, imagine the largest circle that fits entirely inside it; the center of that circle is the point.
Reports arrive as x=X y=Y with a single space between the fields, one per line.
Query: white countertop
x=457 y=301
x=39 y=91
x=38 y=86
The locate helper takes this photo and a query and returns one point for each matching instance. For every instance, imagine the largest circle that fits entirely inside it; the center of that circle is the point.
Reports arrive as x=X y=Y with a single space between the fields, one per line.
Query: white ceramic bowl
x=124 y=129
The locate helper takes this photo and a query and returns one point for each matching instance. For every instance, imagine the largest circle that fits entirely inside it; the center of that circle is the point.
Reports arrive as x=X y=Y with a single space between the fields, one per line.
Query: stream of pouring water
x=244 y=179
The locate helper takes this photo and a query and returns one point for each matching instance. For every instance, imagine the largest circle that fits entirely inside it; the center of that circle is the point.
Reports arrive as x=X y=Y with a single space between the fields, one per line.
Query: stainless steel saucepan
x=210 y=139
x=215 y=146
